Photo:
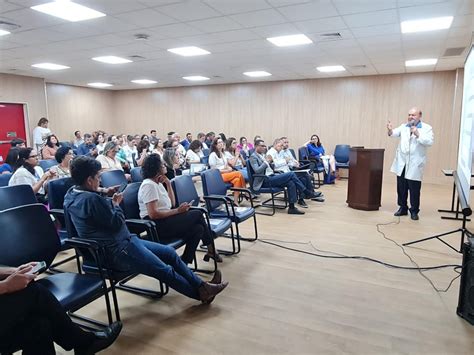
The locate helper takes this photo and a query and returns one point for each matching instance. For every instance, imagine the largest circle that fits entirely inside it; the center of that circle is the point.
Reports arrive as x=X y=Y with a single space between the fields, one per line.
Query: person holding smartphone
x=156 y=200
x=33 y=319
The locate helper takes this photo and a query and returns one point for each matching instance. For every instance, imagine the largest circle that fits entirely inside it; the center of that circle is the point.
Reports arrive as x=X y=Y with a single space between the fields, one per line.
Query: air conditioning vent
x=360 y=66
x=332 y=36
x=8 y=26
x=136 y=57
x=454 y=52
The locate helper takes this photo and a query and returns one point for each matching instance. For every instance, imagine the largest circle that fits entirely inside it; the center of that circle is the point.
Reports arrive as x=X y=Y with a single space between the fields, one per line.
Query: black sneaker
x=414 y=216
x=401 y=212
x=303 y=204
x=294 y=210
x=103 y=339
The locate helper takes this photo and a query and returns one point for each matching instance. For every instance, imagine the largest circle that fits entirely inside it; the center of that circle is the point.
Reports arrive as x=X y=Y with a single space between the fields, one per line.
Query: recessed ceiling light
x=99 y=85
x=420 y=62
x=50 y=66
x=189 y=51
x=257 y=74
x=430 y=24
x=3 y=33
x=144 y=81
x=111 y=59
x=331 y=68
x=68 y=10
x=292 y=40
x=195 y=78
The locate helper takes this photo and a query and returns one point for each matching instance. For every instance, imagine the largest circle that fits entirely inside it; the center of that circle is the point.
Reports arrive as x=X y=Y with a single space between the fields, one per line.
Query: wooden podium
x=365 y=178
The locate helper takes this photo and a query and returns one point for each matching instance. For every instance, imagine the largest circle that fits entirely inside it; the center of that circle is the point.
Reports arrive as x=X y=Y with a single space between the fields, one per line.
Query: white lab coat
x=411 y=151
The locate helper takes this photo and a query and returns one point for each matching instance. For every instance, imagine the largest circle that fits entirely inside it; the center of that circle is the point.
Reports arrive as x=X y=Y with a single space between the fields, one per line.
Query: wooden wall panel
x=26 y=90
x=348 y=110
x=74 y=108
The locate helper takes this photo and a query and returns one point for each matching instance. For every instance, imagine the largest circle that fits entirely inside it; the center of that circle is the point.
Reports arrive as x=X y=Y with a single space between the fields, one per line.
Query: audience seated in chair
x=316 y=150
x=63 y=156
x=99 y=219
x=50 y=148
x=156 y=200
x=217 y=160
x=88 y=147
x=194 y=153
x=29 y=173
x=234 y=157
x=33 y=319
x=261 y=164
x=283 y=164
x=244 y=146
x=108 y=159
x=10 y=161
x=171 y=160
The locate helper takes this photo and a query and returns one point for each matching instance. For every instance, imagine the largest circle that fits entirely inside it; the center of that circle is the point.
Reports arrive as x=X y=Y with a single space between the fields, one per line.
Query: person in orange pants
x=217 y=160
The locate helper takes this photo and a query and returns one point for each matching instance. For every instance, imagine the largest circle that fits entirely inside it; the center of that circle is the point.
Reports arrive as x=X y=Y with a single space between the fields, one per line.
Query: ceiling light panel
x=189 y=51
x=195 y=78
x=100 y=85
x=50 y=66
x=331 y=68
x=292 y=40
x=4 y=33
x=421 y=62
x=111 y=59
x=68 y=10
x=257 y=74
x=144 y=81
x=424 y=25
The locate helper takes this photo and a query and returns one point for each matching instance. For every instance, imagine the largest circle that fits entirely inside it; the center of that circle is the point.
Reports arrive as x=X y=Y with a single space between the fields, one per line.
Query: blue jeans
x=158 y=261
x=244 y=173
x=295 y=187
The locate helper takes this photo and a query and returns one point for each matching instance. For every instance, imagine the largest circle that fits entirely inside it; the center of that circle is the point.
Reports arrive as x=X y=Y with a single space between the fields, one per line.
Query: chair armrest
x=245 y=191
x=142 y=224
x=225 y=199
x=56 y=211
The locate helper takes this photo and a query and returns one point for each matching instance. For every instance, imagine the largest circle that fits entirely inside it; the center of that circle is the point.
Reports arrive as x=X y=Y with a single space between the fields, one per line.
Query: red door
x=12 y=125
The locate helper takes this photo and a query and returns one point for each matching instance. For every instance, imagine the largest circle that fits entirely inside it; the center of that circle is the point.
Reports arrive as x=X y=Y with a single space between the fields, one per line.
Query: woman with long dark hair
x=316 y=151
x=10 y=161
x=234 y=158
x=50 y=148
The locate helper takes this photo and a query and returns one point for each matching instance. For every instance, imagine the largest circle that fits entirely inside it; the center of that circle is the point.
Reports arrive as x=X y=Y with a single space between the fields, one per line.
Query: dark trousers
x=190 y=226
x=32 y=319
x=305 y=178
x=403 y=187
x=296 y=189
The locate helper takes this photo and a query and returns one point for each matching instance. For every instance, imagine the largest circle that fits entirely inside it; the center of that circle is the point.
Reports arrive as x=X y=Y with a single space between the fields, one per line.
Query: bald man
x=410 y=160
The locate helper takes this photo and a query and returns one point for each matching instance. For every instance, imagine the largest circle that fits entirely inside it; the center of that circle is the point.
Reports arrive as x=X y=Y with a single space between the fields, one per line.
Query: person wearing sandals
x=156 y=200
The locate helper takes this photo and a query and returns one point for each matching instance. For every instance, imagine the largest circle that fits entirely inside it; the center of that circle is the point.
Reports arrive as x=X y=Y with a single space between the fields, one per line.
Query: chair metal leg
x=122 y=285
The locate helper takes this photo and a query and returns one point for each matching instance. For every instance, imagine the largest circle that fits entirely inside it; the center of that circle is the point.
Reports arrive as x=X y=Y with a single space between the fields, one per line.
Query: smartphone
x=39 y=268
x=191 y=202
x=122 y=187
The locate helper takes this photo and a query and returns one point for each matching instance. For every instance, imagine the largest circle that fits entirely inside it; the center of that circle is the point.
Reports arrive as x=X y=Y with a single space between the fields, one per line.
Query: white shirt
x=204 y=146
x=151 y=191
x=108 y=163
x=100 y=148
x=217 y=163
x=285 y=153
x=24 y=177
x=129 y=151
x=279 y=162
x=192 y=157
x=40 y=134
x=229 y=156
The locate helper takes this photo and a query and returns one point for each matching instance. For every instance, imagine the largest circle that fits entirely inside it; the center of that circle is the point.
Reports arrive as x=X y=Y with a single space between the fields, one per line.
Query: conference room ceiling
x=235 y=33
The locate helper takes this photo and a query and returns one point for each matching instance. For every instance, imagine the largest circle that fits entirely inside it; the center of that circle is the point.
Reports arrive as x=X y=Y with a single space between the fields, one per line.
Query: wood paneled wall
x=348 y=110
x=25 y=90
x=74 y=108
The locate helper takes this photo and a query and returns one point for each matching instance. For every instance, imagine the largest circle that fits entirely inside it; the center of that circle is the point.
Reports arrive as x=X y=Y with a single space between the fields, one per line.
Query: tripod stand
x=463 y=231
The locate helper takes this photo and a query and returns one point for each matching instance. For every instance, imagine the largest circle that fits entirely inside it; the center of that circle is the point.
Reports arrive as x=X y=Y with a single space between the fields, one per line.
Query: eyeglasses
x=33 y=156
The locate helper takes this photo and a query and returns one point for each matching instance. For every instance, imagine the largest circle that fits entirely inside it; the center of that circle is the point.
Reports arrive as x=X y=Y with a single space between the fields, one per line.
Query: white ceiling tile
x=145 y=18
x=308 y=11
x=463 y=21
x=391 y=68
x=321 y=25
x=173 y=31
x=6 y=6
x=278 y=3
x=346 y=7
x=276 y=30
x=29 y=19
x=237 y=6
x=433 y=10
x=342 y=44
x=408 y=3
x=259 y=18
x=466 y=7
x=370 y=31
x=216 y=24
x=386 y=57
x=459 y=31
x=4 y=44
x=388 y=40
x=76 y=30
x=458 y=41
x=238 y=46
x=233 y=36
x=189 y=11
x=383 y=17
x=112 y=7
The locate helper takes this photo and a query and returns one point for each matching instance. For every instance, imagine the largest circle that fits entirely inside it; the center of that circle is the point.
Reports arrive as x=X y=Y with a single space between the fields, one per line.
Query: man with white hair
x=410 y=160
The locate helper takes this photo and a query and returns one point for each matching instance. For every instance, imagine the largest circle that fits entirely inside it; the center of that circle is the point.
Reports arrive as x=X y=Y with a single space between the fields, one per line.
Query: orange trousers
x=235 y=178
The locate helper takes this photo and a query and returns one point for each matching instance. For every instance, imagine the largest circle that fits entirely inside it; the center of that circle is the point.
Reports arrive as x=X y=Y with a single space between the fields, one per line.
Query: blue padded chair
x=315 y=164
x=206 y=152
x=205 y=160
x=112 y=178
x=341 y=155
x=38 y=240
x=46 y=164
x=4 y=179
x=185 y=191
x=136 y=174
x=14 y=196
x=219 y=205
x=273 y=191
x=66 y=144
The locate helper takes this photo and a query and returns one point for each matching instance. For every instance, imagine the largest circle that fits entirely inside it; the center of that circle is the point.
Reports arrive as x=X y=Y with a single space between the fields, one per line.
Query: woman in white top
x=217 y=160
x=194 y=153
x=156 y=200
x=29 y=173
x=40 y=133
x=108 y=159
x=158 y=149
x=99 y=142
x=234 y=158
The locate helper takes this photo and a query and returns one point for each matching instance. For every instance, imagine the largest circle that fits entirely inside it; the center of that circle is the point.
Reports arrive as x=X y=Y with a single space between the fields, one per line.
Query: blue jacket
x=94 y=217
x=85 y=149
x=315 y=151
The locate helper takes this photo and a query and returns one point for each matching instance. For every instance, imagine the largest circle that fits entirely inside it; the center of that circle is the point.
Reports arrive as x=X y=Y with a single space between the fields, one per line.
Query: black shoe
x=401 y=212
x=317 y=199
x=294 y=210
x=103 y=339
x=315 y=194
x=414 y=216
x=301 y=203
